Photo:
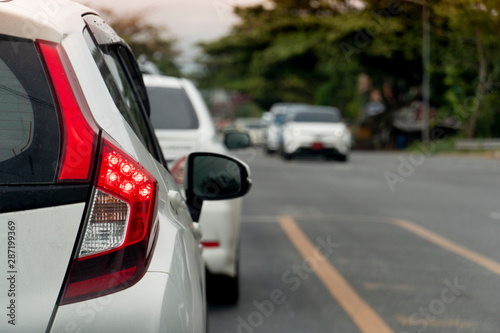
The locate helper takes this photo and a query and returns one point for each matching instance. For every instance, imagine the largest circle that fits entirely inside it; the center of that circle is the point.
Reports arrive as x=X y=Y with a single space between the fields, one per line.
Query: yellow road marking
x=420 y=231
x=444 y=243
x=360 y=312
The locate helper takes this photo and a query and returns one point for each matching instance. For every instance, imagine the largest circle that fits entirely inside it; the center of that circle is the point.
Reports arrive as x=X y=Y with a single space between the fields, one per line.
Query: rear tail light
x=107 y=227
x=79 y=131
x=210 y=244
x=118 y=236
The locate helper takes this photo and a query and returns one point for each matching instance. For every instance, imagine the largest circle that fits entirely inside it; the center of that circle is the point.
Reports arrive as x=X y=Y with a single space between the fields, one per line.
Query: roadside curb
x=490 y=155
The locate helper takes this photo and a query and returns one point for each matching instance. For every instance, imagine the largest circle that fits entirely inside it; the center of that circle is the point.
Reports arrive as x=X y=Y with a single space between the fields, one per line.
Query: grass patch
x=434 y=147
x=446 y=147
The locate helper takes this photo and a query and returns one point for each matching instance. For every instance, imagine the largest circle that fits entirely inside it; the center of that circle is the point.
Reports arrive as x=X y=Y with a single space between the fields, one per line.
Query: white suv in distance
x=183 y=125
x=316 y=130
x=94 y=234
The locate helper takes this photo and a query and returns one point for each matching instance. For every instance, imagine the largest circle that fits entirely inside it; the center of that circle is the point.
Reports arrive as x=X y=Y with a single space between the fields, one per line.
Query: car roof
x=322 y=108
x=317 y=109
x=311 y=111
x=286 y=104
x=285 y=107
x=34 y=19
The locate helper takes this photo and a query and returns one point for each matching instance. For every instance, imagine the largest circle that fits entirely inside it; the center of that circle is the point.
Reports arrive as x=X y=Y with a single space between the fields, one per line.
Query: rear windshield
x=312 y=117
x=171 y=109
x=255 y=126
x=29 y=127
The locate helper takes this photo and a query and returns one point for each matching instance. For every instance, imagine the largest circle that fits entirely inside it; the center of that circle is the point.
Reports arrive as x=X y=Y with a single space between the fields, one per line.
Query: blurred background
x=392 y=67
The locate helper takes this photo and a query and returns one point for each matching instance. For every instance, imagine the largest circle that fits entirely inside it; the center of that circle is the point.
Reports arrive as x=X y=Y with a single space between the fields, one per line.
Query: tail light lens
x=107 y=227
x=118 y=237
x=80 y=133
x=121 y=206
x=210 y=244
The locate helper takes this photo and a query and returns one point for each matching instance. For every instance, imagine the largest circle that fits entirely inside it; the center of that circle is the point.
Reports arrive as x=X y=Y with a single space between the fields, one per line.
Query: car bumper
x=311 y=145
x=154 y=304
x=272 y=144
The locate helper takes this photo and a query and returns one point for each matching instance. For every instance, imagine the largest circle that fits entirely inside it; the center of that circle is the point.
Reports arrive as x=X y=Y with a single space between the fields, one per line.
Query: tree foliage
x=314 y=51
x=149 y=41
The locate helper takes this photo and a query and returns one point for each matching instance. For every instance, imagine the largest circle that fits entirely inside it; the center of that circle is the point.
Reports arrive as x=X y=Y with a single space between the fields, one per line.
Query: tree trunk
x=483 y=87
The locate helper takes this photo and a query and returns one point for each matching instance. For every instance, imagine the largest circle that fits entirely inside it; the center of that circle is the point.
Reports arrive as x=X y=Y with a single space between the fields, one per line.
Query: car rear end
x=316 y=133
x=183 y=125
x=179 y=127
x=80 y=216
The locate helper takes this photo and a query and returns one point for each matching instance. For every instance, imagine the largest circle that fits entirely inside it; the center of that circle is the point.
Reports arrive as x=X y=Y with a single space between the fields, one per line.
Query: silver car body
x=170 y=295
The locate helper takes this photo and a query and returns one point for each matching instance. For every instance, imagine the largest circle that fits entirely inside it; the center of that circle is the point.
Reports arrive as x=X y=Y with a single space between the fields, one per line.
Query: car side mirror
x=237 y=140
x=210 y=176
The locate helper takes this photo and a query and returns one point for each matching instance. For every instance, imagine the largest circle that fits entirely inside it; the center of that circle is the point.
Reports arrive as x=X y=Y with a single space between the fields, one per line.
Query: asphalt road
x=383 y=243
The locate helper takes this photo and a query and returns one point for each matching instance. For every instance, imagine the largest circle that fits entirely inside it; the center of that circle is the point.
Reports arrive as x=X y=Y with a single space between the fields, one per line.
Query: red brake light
x=125 y=179
x=210 y=244
x=119 y=235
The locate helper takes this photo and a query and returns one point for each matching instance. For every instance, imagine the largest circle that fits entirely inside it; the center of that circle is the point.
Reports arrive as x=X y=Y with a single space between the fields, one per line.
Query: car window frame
x=124 y=60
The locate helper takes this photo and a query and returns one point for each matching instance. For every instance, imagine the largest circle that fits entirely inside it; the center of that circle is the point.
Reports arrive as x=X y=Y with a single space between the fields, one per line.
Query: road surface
x=386 y=242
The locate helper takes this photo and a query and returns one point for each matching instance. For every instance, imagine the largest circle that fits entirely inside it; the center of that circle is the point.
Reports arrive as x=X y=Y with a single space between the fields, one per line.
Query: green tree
x=471 y=63
x=313 y=51
x=303 y=51
x=146 y=39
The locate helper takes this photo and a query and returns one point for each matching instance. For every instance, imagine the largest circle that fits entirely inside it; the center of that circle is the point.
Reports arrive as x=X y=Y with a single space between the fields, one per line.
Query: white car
x=316 y=131
x=94 y=234
x=255 y=128
x=275 y=122
x=183 y=125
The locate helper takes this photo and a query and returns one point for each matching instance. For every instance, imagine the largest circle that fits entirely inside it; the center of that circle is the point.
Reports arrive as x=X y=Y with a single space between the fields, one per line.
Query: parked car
x=316 y=131
x=273 y=133
x=255 y=127
x=183 y=125
x=95 y=234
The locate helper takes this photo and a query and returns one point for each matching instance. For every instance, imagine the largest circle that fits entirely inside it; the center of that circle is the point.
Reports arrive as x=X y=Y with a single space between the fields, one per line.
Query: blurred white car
x=95 y=235
x=316 y=131
x=275 y=120
x=255 y=127
x=183 y=125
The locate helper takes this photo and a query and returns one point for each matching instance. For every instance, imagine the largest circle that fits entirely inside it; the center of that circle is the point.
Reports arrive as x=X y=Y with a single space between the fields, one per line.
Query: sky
x=189 y=21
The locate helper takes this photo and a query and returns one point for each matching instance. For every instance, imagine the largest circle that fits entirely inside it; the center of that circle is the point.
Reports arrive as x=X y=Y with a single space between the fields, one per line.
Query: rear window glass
x=171 y=109
x=29 y=127
x=312 y=117
x=255 y=126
